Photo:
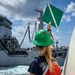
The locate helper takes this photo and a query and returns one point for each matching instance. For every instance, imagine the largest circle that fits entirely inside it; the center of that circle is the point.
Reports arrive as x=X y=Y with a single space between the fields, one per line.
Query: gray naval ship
x=12 y=54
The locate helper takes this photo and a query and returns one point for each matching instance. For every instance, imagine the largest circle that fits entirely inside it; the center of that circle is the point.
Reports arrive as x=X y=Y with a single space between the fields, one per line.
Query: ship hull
x=15 y=60
x=6 y=60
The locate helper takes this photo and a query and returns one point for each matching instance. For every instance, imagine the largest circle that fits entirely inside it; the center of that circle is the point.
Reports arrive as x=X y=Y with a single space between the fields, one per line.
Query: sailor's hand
x=49 y=26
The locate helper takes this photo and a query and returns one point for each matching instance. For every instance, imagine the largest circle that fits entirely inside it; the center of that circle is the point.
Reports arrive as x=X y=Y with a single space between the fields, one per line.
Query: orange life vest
x=56 y=70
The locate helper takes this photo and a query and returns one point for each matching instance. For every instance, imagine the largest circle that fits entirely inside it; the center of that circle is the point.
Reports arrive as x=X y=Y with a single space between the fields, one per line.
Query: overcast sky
x=22 y=12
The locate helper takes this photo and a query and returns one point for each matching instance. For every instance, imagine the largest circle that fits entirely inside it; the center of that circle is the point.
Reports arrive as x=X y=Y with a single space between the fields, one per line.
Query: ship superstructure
x=8 y=43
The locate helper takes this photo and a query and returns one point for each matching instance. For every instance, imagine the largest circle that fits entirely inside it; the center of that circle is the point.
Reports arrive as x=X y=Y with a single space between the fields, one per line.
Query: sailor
x=50 y=31
x=44 y=64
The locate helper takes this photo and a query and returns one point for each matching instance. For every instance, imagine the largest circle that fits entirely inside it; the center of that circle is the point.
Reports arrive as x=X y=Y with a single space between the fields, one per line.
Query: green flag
x=53 y=15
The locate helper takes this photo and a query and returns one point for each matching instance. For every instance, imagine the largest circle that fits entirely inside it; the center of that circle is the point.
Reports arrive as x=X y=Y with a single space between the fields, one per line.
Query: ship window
x=1 y=20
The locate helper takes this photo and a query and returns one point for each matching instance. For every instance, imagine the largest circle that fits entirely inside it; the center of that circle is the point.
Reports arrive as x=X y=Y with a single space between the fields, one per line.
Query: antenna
x=57 y=44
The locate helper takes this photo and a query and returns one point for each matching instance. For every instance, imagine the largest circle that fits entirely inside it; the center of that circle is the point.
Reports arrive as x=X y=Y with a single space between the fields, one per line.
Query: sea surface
x=14 y=70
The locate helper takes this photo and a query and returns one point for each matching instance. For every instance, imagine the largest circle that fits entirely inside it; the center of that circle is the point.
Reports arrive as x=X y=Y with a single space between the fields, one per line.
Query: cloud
x=69 y=12
x=73 y=14
x=21 y=8
x=66 y=18
x=57 y=30
x=70 y=9
x=69 y=32
x=13 y=2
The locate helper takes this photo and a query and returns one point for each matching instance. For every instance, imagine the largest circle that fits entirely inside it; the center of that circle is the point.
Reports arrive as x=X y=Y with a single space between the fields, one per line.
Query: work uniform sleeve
x=34 y=68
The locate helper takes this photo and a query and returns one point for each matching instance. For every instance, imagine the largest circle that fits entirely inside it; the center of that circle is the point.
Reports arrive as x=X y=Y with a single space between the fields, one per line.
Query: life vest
x=56 y=70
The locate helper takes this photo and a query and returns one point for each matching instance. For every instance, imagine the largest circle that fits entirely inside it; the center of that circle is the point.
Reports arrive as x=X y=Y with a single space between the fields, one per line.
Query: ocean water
x=16 y=70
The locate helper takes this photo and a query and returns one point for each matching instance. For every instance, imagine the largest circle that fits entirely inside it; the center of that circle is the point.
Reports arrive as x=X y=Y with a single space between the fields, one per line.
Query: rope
x=28 y=30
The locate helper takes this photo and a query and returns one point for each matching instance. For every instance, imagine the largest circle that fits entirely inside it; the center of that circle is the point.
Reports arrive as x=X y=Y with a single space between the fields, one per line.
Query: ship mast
x=40 y=19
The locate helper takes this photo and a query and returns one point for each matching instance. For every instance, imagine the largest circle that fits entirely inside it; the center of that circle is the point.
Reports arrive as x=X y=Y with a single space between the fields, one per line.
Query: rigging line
x=29 y=33
x=32 y=35
x=24 y=37
x=34 y=31
x=30 y=39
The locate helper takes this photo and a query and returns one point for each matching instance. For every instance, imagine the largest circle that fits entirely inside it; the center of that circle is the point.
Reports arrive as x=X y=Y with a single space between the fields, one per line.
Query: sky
x=22 y=12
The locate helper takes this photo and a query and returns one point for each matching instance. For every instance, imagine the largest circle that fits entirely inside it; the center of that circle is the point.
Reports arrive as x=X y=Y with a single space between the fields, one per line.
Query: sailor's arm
x=49 y=26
